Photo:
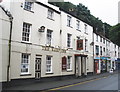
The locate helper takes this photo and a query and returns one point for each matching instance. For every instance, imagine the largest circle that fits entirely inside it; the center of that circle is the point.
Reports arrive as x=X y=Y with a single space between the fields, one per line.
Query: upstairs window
x=69 y=40
x=69 y=21
x=100 y=39
x=26 y=32
x=96 y=38
x=50 y=14
x=104 y=40
x=86 y=45
x=78 y=25
x=100 y=50
x=28 y=6
x=49 y=36
x=86 y=28
x=97 y=49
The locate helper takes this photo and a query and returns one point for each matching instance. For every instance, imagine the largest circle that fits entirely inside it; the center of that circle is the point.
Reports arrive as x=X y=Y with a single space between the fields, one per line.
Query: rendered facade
x=46 y=42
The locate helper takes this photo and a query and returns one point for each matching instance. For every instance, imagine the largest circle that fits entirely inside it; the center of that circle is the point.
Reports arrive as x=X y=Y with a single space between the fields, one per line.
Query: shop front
x=108 y=64
x=103 y=64
x=96 y=65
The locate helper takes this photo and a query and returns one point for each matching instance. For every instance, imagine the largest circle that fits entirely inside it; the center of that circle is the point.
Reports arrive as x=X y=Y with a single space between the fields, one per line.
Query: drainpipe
x=93 y=55
x=9 y=44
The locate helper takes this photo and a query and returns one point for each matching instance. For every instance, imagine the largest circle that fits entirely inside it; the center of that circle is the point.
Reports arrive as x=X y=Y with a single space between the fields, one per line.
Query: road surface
x=103 y=83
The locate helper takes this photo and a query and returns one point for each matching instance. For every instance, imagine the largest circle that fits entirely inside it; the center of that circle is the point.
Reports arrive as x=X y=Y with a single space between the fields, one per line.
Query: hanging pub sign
x=64 y=63
x=79 y=44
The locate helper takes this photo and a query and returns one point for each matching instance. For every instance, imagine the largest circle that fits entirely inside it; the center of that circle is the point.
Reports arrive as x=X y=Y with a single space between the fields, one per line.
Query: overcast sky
x=106 y=10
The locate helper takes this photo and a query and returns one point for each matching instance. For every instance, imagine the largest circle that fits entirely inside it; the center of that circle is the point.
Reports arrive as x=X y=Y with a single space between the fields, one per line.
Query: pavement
x=38 y=85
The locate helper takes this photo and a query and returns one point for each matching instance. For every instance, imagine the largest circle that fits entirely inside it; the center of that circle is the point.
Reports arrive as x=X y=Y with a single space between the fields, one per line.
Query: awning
x=81 y=55
x=104 y=58
x=96 y=57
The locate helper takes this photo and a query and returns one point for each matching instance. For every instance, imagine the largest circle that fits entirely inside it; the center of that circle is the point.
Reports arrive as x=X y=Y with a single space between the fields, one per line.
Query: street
x=104 y=83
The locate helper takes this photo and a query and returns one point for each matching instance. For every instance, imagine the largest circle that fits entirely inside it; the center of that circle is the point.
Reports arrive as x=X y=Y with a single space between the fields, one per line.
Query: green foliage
x=115 y=34
x=83 y=13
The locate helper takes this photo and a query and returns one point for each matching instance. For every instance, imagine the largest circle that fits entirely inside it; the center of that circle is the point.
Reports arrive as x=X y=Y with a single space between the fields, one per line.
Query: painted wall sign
x=45 y=48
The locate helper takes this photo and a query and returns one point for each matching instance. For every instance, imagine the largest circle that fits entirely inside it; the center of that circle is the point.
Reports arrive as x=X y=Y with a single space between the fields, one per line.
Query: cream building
x=100 y=64
x=46 y=42
x=105 y=54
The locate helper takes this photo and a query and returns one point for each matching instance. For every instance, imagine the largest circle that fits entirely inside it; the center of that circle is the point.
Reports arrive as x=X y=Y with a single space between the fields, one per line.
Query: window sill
x=78 y=30
x=26 y=42
x=69 y=48
x=48 y=73
x=69 y=70
x=25 y=74
x=29 y=10
x=50 y=18
x=86 y=33
x=70 y=26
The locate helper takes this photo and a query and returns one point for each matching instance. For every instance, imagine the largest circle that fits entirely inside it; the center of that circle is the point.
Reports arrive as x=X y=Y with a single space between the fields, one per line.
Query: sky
x=105 y=10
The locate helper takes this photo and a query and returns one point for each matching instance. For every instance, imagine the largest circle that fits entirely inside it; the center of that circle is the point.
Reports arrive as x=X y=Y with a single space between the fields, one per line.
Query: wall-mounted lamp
x=41 y=29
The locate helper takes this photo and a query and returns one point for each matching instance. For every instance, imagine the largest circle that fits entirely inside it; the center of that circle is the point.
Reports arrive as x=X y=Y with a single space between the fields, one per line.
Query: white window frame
x=96 y=38
x=48 y=63
x=78 y=25
x=86 y=44
x=25 y=61
x=86 y=28
x=100 y=39
x=49 y=37
x=26 y=32
x=97 y=49
x=69 y=36
x=28 y=5
x=69 y=21
x=50 y=14
x=69 y=63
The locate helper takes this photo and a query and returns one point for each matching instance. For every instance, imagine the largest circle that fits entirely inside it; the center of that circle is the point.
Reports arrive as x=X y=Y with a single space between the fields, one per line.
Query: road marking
x=73 y=84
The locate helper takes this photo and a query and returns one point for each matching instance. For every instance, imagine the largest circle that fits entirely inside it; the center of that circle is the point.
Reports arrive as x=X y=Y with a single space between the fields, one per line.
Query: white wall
x=4 y=38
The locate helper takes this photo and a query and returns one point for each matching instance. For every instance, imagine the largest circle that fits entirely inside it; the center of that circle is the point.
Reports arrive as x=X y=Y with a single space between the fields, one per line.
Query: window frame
x=86 y=28
x=69 y=41
x=96 y=38
x=49 y=64
x=26 y=31
x=49 y=37
x=69 y=21
x=86 y=44
x=27 y=63
x=78 y=25
x=27 y=4
x=69 y=62
x=50 y=14
x=97 y=49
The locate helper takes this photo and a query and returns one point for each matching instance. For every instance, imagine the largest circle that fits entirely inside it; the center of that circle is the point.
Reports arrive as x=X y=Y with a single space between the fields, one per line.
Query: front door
x=38 y=68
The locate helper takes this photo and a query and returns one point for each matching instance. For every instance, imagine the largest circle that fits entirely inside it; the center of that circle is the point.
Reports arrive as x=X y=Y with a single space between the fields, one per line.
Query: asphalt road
x=104 y=83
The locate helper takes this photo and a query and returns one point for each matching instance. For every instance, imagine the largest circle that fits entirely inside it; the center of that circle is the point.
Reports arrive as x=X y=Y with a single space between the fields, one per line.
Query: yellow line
x=73 y=84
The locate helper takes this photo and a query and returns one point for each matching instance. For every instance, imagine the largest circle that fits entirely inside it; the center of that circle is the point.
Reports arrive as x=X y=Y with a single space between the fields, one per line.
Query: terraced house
x=40 y=40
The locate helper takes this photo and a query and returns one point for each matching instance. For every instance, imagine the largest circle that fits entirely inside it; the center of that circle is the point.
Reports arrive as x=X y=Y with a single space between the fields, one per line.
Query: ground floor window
x=48 y=64
x=25 y=63
x=69 y=63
